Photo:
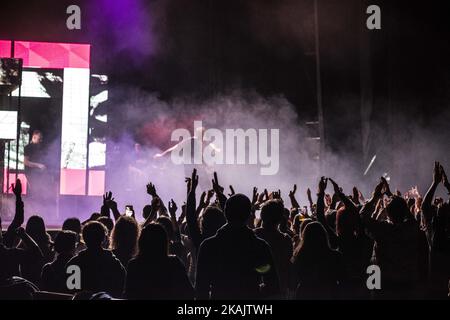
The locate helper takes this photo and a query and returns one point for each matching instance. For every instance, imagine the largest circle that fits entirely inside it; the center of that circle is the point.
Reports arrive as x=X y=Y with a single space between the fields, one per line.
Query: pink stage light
x=52 y=55
x=5 y=49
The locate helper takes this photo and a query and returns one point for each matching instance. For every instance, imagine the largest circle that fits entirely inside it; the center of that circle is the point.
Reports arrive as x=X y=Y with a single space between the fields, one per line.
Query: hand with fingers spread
x=151 y=189
x=108 y=201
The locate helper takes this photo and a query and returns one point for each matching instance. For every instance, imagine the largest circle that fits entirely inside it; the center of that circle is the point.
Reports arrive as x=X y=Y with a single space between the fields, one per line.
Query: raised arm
x=191 y=212
x=18 y=219
x=110 y=204
x=368 y=209
x=172 y=210
x=31 y=245
x=427 y=201
x=294 y=202
x=218 y=189
x=347 y=202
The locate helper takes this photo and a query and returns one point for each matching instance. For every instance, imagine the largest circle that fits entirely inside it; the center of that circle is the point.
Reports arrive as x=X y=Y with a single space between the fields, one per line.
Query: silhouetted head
x=346 y=222
x=107 y=222
x=125 y=235
x=65 y=242
x=153 y=242
x=397 y=209
x=36 y=229
x=272 y=212
x=146 y=211
x=94 y=234
x=303 y=225
x=237 y=209
x=314 y=239
x=296 y=224
x=167 y=225
x=72 y=224
x=212 y=220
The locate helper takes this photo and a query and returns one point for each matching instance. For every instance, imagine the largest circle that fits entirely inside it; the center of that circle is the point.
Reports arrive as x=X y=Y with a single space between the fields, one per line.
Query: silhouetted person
x=74 y=224
x=318 y=267
x=235 y=264
x=176 y=248
x=154 y=274
x=280 y=243
x=396 y=244
x=124 y=239
x=54 y=274
x=13 y=260
x=36 y=229
x=100 y=269
x=436 y=223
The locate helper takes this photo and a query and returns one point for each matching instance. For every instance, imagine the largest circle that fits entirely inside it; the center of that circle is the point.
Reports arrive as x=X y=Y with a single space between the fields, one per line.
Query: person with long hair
x=124 y=237
x=154 y=274
x=318 y=267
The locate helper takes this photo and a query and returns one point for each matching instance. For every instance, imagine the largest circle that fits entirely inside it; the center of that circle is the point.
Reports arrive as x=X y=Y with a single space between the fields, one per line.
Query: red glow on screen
x=12 y=179
x=5 y=48
x=96 y=182
x=52 y=55
x=73 y=181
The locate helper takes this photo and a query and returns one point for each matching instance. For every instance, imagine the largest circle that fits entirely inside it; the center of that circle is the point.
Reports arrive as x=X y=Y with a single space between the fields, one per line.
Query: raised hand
x=188 y=181
x=445 y=181
x=202 y=203
x=255 y=195
x=20 y=232
x=232 y=191
x=294 y=202
x=194 y=180
x=292 y=192
x=172 y=206
x=322 y=185
x=337 y=189
x=151 y=189
x=107 y=197
x=17 y=188
x=437 y=173
x=218 y=189
x=275 y=194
